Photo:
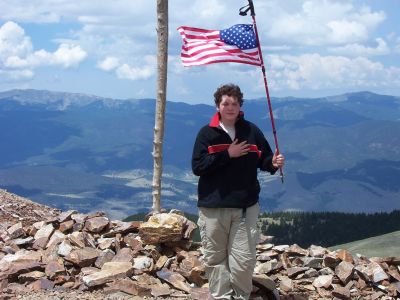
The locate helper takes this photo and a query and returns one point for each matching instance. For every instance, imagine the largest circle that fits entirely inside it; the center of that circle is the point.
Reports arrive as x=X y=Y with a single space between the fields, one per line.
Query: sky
x=108 y=48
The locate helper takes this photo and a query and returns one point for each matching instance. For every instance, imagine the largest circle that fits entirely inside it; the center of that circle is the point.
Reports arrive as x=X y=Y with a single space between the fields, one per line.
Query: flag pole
x=243 y=11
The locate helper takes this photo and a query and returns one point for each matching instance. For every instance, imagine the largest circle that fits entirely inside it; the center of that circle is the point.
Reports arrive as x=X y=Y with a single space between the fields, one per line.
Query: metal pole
x=271 y=115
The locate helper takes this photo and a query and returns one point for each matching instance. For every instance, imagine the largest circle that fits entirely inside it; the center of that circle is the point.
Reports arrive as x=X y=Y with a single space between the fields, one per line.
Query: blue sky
x=108 y=48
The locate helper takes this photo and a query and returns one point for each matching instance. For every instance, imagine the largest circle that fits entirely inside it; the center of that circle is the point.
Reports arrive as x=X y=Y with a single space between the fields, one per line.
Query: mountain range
x=83 y=152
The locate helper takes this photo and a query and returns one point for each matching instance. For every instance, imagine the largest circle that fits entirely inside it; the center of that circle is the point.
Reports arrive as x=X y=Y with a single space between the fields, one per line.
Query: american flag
x=236 y=44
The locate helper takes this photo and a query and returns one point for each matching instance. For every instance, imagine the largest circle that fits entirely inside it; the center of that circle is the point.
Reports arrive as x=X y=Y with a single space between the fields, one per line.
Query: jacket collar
x=217 y=117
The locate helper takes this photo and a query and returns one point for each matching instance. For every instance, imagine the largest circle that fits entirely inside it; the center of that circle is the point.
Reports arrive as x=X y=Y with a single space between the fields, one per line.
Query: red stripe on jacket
x=223 y=147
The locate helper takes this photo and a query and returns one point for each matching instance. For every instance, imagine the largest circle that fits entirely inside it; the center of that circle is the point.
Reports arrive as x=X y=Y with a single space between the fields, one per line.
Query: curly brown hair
x=231 y=90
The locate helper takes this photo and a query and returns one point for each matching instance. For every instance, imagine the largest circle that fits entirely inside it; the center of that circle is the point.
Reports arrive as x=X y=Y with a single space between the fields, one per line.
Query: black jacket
x=229 y=182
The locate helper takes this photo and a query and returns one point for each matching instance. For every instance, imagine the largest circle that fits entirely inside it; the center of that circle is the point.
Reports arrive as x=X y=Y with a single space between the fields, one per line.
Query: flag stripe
x=202 y=47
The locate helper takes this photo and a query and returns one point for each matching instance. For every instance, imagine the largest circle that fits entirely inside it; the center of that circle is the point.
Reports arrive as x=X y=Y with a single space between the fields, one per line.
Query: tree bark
x=162 y=64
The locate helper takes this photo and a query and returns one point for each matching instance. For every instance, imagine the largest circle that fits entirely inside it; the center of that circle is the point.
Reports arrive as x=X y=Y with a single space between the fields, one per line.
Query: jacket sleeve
x=203 y=162
x=265 y=162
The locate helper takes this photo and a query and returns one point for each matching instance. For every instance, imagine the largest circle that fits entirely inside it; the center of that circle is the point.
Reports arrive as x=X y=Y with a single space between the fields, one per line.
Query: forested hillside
x=327 y=228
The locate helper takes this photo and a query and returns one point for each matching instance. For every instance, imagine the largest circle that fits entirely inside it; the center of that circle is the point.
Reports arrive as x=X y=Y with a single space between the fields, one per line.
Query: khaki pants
x=229 y=249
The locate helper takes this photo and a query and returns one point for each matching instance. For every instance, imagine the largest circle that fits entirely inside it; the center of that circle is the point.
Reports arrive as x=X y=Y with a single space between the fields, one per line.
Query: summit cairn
x=49 y=251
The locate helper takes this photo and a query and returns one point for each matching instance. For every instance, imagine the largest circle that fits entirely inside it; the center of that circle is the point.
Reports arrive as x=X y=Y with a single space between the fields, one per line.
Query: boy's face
x=229 y=109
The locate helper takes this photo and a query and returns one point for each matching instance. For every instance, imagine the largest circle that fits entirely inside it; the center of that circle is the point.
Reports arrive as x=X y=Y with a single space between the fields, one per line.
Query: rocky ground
x=49 y=254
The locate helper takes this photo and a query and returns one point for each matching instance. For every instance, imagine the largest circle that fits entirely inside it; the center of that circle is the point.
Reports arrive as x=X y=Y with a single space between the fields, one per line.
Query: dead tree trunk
x=162 y=63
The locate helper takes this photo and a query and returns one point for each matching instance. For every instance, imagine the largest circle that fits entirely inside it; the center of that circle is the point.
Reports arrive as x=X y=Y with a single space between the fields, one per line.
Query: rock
x=296 y=250
x=312 y=262
x=175 y=279
x=57 y=238
x=264 y=281
x=105 y=256
x=40 y=243
x=65 y=248
x=83 y=257
x=331 y=261
x=143 y=263
x=311 y=273
x=192 y=269
x=345 y=255
x=324 y=281
x=65 y=216
x=77 y=239
x=378 y=274
x=23 y=242
x=268 y=267
x=45 y=232
x=130 y=287
x=160 y=290
x=280 y=248
x=122 y=228
x=199 y=293
x=294 y=271
x=97 y=224
x=17 y=268
x=42 y=284
x=161 y=262
x=124 y=254
x=54 y=268
x=15 y=231
x=344 y=271
x=109 y=272
x=66 y=226
x=133 y=242
x=341 y=293
x=317 y=251
x=105 y=243
x=286 y=284
x=20 y=257
x=161 y=228
x=31 y=276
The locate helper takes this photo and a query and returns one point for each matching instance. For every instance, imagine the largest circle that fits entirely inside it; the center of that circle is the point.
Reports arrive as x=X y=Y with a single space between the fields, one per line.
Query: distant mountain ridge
x=94 y=153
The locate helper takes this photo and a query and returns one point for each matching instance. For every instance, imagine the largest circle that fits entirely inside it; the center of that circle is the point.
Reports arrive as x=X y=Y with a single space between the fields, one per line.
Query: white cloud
x=18 y=60
x=323 y=23
x=134 y=73
x=316 y=72
x=361 y=50
x=108 y=64
x=128 y=71
x=13 y=41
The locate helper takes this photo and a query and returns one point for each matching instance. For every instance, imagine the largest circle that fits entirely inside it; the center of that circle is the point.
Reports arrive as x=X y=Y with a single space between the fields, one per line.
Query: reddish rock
x=31 y=276
x=83 y=257
x=294 y=271
x=54 y=268
x=341 y=293
x=128 y=286
x=105 y=256
x=175 y=279
x=125 y=254
x=15 y=231
x=44 y=232
x=77 y=239
x=97 y=224
x=345 y=255
x=324 y=281
x=66 y=226
x=296 y=250
x=317 y=251
x=109 y=272
x=66 y=215
x=344 y=271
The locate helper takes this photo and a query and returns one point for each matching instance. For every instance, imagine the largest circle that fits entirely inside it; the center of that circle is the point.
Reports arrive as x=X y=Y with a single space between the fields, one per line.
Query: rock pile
x=70 y=251
x=86 y=252
x=316 y=273
x=14 y=208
